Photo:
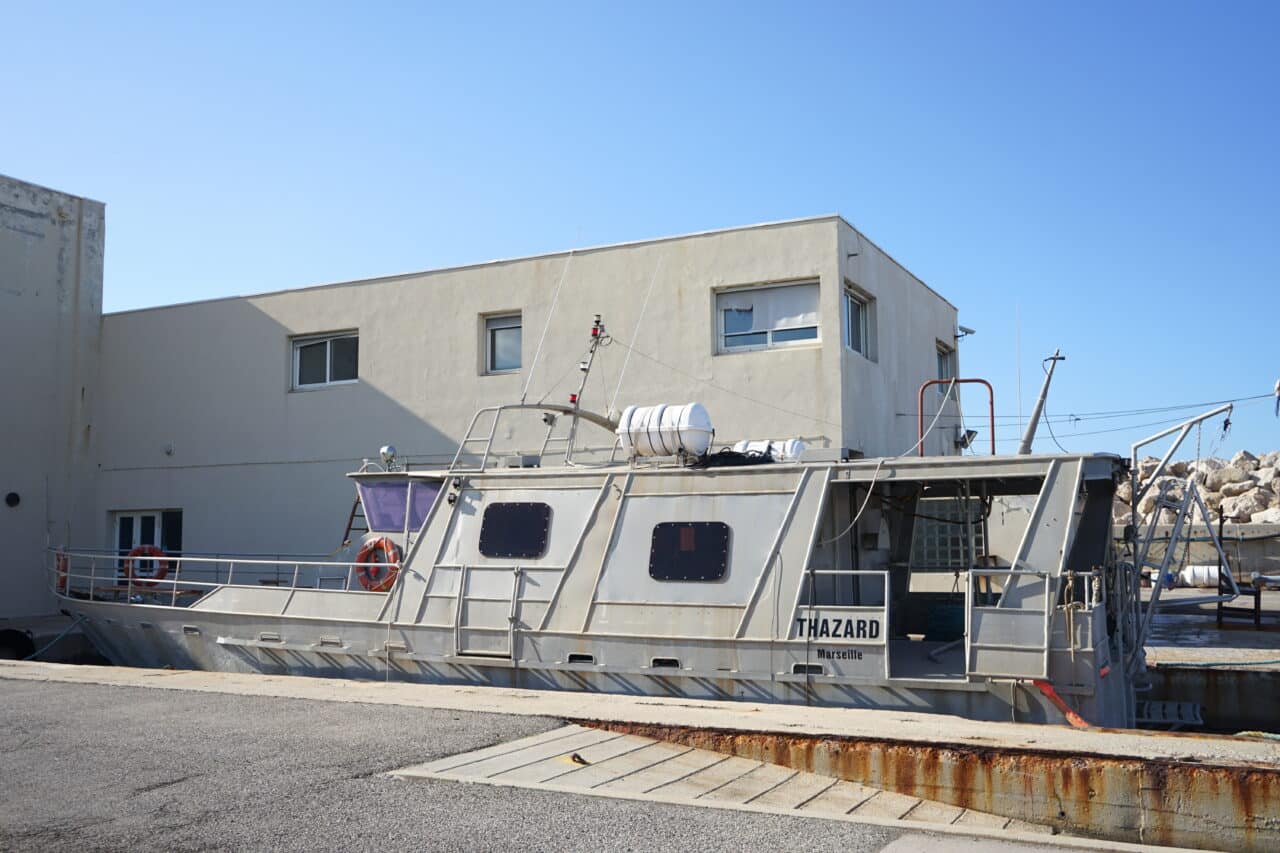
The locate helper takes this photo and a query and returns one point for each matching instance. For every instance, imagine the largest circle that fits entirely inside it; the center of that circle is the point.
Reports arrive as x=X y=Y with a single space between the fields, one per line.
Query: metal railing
x=182 y=580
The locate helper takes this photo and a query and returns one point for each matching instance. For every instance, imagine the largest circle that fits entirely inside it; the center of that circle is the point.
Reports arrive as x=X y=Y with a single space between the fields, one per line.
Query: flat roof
x=830 y=217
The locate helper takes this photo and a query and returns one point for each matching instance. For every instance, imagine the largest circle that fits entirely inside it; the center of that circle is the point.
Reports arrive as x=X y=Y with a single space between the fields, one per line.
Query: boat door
x=1010 y=605
x=486 y=610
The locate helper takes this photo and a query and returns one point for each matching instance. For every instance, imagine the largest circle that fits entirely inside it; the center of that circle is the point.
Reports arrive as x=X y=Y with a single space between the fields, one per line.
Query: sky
x=1096 y=177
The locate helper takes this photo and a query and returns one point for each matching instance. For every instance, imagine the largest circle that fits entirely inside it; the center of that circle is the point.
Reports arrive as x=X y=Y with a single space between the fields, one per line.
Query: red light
x=573 y=398
x=595 y=332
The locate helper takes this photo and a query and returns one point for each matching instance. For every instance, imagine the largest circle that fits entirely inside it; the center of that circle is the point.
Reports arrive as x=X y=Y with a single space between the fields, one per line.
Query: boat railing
x=105 y=575
x=476 y=449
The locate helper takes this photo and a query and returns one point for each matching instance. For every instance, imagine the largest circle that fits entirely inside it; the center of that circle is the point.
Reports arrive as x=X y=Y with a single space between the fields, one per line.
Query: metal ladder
x=357 y=513
x=469 y=438
x=1184 y=510
x=564 y=442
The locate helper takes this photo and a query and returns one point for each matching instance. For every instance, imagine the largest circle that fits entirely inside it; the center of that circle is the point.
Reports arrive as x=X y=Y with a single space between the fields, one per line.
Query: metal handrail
x=574 y=411
x=68 y=571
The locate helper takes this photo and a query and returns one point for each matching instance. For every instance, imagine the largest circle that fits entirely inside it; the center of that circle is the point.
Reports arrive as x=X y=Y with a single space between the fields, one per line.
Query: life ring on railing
x=60 y=571
x=377 y=574
x=148 y=551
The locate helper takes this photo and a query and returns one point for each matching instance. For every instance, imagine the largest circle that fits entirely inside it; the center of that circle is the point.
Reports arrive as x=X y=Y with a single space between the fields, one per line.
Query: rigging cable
x=725 y=390
x=524 y=392
x=1045 y=419
x=875 y=475
x=634 y=335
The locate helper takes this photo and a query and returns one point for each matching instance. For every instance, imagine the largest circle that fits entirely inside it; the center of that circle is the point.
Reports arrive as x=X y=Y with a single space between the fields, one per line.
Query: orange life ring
x=378 y=574
x=60 y=569
x=161 y=570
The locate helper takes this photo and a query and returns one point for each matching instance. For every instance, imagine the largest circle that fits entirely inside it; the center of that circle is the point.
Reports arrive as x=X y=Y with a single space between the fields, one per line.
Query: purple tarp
x=384 y=504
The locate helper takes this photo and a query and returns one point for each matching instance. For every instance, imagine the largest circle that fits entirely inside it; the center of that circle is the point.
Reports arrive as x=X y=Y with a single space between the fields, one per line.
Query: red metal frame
x=991 y=409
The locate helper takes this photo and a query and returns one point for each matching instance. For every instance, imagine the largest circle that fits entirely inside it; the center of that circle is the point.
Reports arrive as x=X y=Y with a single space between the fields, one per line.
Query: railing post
x=93 y=577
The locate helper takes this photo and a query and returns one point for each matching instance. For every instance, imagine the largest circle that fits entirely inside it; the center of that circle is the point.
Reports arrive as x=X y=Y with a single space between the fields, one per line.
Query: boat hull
x=162 y=637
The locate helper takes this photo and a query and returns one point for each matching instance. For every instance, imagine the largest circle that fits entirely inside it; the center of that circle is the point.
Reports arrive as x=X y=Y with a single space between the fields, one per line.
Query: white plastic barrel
x=787 y=450
x=665 y=430
x=1201 y=576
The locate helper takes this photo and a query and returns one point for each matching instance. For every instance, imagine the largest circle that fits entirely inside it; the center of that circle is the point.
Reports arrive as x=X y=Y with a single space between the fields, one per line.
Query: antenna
x=598 y=337
x=1030 y=435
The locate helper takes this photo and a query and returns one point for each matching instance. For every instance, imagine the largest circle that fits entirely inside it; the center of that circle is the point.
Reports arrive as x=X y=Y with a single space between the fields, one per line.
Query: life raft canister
x=380 y=563
x=160 y=571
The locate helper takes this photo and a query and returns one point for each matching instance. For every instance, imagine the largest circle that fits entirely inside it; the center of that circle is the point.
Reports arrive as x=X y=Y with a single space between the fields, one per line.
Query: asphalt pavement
x=95 y=767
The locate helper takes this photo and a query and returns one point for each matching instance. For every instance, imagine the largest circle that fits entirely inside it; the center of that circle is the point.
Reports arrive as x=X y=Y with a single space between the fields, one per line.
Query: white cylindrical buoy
x=1202 y=576
x=787 y=450
x=665 y=430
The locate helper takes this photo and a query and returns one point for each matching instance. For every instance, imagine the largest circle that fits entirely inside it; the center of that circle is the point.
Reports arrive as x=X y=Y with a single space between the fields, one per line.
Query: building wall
x=198 y=413
x=51 y=253
x=882 y=393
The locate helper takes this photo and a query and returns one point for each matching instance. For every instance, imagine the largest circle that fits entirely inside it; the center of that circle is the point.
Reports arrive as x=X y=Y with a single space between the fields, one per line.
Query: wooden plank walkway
x=594 y=761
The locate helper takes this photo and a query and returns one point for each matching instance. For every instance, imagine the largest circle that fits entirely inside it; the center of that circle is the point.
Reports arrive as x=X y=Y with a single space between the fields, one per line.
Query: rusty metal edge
x=1140 y=800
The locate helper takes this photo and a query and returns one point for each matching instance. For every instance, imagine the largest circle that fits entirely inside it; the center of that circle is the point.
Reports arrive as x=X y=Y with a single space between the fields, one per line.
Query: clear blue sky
x=1107 y=172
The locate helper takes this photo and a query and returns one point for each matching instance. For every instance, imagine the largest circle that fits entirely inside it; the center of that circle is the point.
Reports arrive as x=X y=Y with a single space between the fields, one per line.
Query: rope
x=524 y=392
x=875 y=475
x=52 y=642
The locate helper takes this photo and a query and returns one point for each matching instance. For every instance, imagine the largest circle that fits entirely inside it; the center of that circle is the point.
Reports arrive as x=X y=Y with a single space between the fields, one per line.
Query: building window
x=320 y=360
x=765 y=317
x=946 y=365
x=502 y=343
x=689 y=551
x=515 y=530
x=857 y=323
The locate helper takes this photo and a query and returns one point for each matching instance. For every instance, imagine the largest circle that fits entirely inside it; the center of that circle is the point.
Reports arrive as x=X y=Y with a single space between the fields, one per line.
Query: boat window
x=689 y=551
x=384 y=502
x=515 y=530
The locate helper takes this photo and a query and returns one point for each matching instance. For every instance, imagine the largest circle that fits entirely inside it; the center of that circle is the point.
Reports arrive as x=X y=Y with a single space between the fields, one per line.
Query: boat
x=988 y=587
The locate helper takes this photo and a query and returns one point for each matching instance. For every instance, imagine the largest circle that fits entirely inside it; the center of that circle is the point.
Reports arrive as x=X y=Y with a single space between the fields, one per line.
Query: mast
x=1029 y=436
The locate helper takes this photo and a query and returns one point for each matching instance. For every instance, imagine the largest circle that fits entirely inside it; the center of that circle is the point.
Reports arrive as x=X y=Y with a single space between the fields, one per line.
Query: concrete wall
x=51 y=252
x=198 y=413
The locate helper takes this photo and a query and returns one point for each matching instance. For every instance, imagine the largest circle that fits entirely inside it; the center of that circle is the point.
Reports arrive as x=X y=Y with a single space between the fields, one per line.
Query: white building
x=227 y=425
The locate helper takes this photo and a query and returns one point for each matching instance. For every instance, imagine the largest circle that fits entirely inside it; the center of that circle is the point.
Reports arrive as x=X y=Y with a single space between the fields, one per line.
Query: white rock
x=1177 y=469
x=1231 y=490
x=1245 y=461
x=1146 y=466
x=1219 y=478
x=1267 y=476
x=1270 y=460
x=1209 y=463
x=1242 y=507
x=1267 y=516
